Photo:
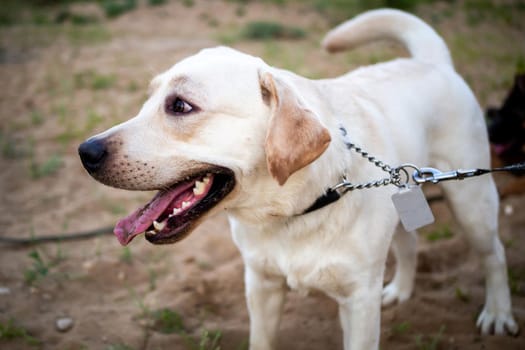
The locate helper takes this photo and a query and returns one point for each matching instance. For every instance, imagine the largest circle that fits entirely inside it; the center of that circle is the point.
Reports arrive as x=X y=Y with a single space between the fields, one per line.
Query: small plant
x=47 y=168
x=93 y=120
x=9 y=331
x=210 y=340
x=167 y=321
x=88 y=35
x=401 y=328
x=443 y=232
x=115 y=8
x=432 y=342
x=75 y=18
x=240 y=11
x=93 y=80
x=462 y=295
x=11 y=149
x=152 y=279
x=132 y=86
x=36 y=118
x=101 y=82
x=271 y=30
x=40 y=268
x=126 y=255
x=156 y=2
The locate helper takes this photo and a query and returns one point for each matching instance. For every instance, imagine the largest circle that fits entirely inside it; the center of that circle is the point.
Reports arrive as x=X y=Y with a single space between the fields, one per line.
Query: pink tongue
x=142 y=218
x=499 y=148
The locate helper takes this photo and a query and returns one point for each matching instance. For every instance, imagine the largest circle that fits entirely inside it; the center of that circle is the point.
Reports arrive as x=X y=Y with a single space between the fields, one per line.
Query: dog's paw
x=497 y=323
x=395 y=293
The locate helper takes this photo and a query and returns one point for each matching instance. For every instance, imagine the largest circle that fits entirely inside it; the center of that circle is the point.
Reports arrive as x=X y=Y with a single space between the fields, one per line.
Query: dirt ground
x=63 y=83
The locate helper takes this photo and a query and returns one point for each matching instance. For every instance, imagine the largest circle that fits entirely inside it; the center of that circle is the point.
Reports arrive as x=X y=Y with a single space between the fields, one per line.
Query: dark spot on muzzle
x=93 y=153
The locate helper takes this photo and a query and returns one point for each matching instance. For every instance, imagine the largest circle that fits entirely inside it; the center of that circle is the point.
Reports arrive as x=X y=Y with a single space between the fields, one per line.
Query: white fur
x=416 y=110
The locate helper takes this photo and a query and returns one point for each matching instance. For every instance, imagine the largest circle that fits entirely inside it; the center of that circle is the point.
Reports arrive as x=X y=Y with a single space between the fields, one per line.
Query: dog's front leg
x=265 y=298
x=360 y=316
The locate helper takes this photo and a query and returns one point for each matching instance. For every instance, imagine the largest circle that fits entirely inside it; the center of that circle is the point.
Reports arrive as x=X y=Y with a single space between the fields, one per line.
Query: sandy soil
x=108 y=291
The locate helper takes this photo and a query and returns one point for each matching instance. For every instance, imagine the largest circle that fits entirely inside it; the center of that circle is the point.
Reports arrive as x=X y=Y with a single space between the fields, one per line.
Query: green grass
x=265 y=30
x=93 y=80
x=400 y=328
x=167 y=321
x=102 y=82
x=462 y=295
x=152 y=278
x=338 y=10
x=479 y=11
x=157 y=2
x=11 y=148
x=440 y=233
x=10 y=331
x=36 y=118
x=430 y=342
x=210 y=340
x=40 y=267
x=115 y=8
x=65 y=15
x=188 y=3
x=47 y=168
x=87 y=35
x=93 y=120
x=126 y=256
x=74 y=132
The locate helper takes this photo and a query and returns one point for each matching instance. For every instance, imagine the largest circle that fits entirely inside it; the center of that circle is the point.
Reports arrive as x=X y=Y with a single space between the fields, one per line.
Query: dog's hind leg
x=404 y=246
x=475 y=204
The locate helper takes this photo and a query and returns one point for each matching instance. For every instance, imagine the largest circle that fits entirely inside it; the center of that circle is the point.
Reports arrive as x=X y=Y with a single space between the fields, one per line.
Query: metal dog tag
x=412 y=208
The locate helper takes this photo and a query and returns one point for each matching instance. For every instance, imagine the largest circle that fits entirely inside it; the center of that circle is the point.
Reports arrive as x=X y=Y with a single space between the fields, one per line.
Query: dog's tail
x=421 y=41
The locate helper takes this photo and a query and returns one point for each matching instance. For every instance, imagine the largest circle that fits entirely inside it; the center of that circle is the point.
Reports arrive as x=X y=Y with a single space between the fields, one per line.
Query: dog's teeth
x=176 y=211
x=199 y=188
x=206 y=180
x=152 y=232
x=159 y=226
x=185 y=204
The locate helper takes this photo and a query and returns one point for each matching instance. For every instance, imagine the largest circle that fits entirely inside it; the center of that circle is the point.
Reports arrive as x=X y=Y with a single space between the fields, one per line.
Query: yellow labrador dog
x=222 y=130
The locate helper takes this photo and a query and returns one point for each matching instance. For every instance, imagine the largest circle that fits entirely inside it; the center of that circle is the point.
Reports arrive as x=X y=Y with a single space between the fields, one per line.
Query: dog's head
x=211 y=121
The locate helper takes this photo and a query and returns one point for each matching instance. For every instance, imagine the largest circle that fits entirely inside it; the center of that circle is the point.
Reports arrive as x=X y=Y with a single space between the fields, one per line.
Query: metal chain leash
x=399 y=176
x=393 y=179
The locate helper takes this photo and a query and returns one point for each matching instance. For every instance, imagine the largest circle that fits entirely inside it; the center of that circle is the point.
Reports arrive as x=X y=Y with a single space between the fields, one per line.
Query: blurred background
x=70 y=69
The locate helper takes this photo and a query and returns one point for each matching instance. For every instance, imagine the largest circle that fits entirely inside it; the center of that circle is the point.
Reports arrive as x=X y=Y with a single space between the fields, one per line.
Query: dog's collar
x=322 y=201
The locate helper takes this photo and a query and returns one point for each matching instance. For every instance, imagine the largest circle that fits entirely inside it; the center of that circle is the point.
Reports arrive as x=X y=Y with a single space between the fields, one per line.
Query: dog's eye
x=177 y=106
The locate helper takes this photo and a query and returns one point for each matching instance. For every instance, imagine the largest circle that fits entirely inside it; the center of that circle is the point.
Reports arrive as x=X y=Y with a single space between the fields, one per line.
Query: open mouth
x=172 y=214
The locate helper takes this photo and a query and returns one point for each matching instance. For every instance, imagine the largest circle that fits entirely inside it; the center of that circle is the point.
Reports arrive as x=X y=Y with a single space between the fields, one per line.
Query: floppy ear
x=295 y=137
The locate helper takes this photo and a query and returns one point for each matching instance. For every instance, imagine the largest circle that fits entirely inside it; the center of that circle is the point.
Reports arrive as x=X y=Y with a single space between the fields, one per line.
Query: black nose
x=93 y=152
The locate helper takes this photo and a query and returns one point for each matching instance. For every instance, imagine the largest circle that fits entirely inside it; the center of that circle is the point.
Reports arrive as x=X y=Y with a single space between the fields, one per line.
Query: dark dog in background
x=506 y=127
